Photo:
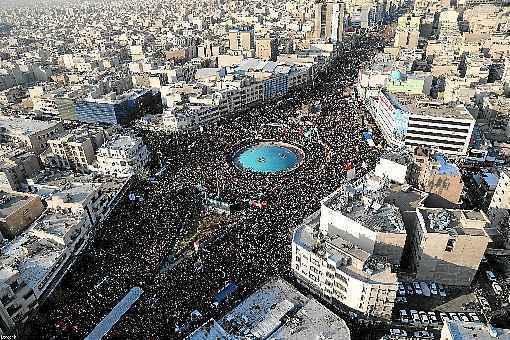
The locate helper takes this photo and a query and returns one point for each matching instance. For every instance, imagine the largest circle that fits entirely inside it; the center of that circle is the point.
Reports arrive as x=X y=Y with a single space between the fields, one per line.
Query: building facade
x=122 y=156
x=329 y=20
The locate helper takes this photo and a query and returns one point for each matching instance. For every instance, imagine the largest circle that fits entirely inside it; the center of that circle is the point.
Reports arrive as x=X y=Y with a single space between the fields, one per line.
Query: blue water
x=266 y=158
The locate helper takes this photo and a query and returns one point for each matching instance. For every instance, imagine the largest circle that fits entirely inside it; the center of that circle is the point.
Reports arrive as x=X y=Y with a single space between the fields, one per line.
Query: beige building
x=15 y=167
x=241 y=39
x=329 y=20
x=28 y=134
x=17 y=212
x=407 y=34
x=499 y=208
x=435 y=175
x=348 y=249
x=448 y=245
x=74 y=149
x=266 y=48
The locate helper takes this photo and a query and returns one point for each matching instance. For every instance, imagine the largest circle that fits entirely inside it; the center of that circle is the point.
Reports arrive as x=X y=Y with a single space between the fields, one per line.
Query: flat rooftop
x=456 y=222
x=365 y=201
x=352 y=260
x=23 y=126
x=123 y=142
x=460 y=330
x=12 y=201
x=421 y=105
x=278 y=310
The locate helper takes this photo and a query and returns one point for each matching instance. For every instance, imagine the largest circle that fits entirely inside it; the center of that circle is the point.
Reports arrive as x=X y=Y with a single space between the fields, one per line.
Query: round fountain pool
x=269 y=157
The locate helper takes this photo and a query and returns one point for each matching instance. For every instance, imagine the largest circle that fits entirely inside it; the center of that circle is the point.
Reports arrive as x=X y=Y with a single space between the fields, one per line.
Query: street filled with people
x=129 y=249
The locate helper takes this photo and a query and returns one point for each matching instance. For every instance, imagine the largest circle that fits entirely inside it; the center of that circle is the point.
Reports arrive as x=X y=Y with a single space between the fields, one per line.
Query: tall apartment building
x=329 y=20
x=499 y=208
x=448 y=245
x=241 y=39
x=346 y=250
x=266 y=48
x=408 y=32
x=74 y=149
x=122 y=156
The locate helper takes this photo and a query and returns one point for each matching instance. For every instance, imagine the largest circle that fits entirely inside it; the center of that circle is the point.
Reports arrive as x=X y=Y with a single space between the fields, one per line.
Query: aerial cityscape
x=246 y=169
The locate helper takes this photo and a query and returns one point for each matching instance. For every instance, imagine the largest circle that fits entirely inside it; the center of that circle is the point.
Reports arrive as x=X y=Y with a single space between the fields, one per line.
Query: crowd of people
x=130 y=247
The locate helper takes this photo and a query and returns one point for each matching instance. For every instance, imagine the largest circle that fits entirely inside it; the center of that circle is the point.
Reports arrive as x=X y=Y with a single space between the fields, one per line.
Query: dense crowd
x=131 y=246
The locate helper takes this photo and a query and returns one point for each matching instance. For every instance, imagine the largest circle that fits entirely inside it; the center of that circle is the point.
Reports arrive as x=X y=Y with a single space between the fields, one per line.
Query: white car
x=474 y=317
x=485 y=304
x=433 y=289
x=432 y=317
x=463 y=317
x=424 y=318
x=444 y=317
x=401 y=290
x=417 y=288
x=423 y=335
x=398 y=332
x=490 y=276
x=497 y=288
x=403 y=316
x=454 y=317
x=401 y=299
x=442 y=291
x=415 y=316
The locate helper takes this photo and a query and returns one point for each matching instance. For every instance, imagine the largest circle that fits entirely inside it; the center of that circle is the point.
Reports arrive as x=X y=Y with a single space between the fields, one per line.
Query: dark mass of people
x=132 y=246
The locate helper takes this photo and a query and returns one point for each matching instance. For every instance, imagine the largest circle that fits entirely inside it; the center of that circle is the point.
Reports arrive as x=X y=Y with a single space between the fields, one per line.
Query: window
x=450 y=245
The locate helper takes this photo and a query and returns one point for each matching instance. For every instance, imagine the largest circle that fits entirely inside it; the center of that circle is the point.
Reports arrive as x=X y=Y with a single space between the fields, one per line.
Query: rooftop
x=122 y=142
x=460 y=330
x=23 y=126
x=454 y=222
x=12 y=201
x=421 y=105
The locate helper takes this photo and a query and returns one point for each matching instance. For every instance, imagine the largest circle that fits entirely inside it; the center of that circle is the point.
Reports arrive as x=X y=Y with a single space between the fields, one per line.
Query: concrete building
x=460 y=330
x=448 y=245
x=440 y=178
x=15 y=167
x=266 y=48
x=346 y=251
x=17 y=212
x=241 y=39
x=262 y=315
x=28 y=134
x=75 y=149
x=329 y=20
x=407 y=33
x=499 y=208
x=394 y=165
x=122 y=156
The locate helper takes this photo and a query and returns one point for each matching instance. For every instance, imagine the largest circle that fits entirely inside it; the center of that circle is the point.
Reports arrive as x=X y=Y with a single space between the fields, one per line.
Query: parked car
x=474 y=317
x=398 y=332
x=463 y=317
x=444 y=317
x=454 y=316
x=423 y=335
x=485 y=304
x=490 y=276
x=401 y=299
x=403 y=316
x=415 y=316
x=433 y=288
x=409 y=289
x=417 y=288
x=424 y=318
x=497 y=288
x=442 y=290
x=432 y=317
x=401 y=290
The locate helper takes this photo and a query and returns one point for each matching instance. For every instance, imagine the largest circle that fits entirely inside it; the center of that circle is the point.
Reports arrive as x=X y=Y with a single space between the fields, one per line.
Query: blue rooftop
x=446 y=168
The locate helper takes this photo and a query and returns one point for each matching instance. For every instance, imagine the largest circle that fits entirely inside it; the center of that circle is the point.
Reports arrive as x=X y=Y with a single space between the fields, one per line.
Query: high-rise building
x=266 y=48
x=408 y=32
x=241 y=39
x=329 y=20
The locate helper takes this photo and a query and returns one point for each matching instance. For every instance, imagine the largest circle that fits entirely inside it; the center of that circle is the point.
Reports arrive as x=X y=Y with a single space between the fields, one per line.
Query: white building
x=122 y=156
x=499 y=208
x=460 y=330
x=346 y=250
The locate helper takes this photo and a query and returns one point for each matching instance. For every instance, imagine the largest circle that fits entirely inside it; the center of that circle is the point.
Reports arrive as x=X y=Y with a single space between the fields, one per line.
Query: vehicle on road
x=454 y=316
x=415 y=316
x=444 y=317
x=433 y=289
x=485 y=304
x=463 y=317
x=401 y=290
x=442 y=290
